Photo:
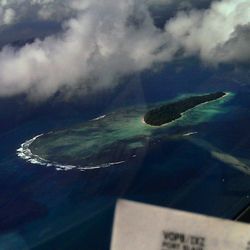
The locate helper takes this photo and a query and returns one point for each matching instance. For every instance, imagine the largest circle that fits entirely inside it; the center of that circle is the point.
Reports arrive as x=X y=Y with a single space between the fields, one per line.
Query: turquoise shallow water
x=198 y=163
x=111 y=139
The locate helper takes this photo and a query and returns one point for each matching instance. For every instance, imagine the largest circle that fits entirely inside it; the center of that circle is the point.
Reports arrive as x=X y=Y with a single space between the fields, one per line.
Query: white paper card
x=145 y=227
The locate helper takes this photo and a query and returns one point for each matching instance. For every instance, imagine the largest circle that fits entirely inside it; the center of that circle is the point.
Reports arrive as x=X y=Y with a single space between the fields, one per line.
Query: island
x=174 y=110
x=114 y=139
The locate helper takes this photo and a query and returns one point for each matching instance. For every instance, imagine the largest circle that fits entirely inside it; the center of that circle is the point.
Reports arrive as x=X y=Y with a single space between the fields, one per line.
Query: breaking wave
x=99 y=118
x=25 y=153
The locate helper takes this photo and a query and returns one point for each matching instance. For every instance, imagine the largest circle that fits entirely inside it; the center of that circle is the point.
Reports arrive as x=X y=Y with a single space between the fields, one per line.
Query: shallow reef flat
x=112 y=139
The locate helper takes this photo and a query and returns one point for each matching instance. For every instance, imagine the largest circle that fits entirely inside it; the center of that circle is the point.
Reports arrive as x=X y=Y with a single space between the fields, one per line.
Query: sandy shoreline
x=168 y=123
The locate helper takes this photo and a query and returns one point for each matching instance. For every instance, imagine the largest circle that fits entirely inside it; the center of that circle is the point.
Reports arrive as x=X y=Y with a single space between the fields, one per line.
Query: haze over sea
x=203 y=172
x=102 y=65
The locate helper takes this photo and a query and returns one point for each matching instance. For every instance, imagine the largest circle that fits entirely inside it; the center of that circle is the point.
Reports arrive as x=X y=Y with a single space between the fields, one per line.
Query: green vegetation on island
x=172 y=111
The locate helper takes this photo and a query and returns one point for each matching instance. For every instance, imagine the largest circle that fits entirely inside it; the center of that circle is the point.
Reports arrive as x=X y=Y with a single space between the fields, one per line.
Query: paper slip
x=145 y=227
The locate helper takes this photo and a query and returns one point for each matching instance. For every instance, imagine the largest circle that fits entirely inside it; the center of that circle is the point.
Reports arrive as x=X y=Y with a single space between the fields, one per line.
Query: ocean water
x=199 y=163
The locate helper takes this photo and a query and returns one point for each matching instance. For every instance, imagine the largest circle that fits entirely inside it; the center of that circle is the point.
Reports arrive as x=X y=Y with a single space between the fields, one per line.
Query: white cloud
x=205 y=33
x=40 y=9
x=9 y=16
x=105 y=40
x=96 y=48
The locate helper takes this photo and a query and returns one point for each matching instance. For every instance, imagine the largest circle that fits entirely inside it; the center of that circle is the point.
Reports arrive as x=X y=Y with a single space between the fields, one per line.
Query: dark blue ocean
x=43 y=209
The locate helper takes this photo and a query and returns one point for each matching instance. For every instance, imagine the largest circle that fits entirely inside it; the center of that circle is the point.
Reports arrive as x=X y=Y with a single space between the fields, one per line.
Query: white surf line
x=99 y=118
x=190 y=133
x=25 y=153
x=103 y=165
